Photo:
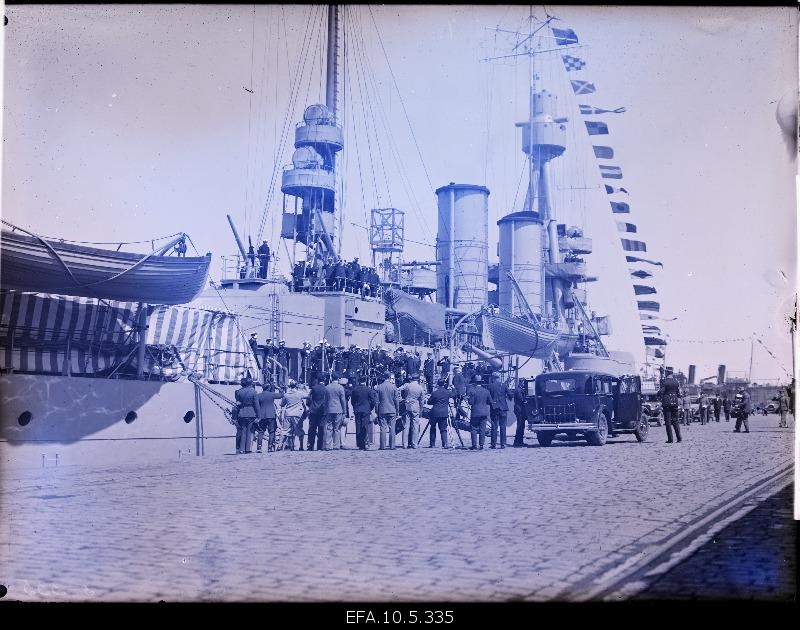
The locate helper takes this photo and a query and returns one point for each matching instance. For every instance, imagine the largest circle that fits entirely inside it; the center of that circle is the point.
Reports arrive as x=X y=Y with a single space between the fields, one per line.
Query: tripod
x=451 y=429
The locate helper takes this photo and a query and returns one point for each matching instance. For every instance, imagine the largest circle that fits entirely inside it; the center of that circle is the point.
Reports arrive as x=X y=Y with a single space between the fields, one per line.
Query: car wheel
x=599 y=437
x=642 y=430
x=545 y=439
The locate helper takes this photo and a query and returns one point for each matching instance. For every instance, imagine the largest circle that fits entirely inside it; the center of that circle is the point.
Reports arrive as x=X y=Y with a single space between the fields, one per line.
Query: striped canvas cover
x=103 y=338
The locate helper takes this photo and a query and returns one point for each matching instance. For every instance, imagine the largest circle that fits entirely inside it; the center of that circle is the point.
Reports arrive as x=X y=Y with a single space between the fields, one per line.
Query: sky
x=130 y=123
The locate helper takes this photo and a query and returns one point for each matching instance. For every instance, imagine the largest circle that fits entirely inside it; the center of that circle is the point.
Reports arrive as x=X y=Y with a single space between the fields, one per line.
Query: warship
x=110 y=371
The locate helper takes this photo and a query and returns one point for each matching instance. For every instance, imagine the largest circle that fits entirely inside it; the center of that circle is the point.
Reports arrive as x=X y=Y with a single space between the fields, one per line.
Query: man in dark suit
x=440 y=412
x=742 y=409
x=499 y=393
x=316 y=414
x=480 y=403
x=427 y=370
x=521 y=412
x=363 y=399
x=254 y=347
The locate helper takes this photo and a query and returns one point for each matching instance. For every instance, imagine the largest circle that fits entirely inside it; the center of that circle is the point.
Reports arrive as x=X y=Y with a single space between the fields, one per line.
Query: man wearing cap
x=499 y=409
x=414 y=397
x=248 y=411
x=282 y=355
x=364 y=399
x=428 y=370
x=480 y=402
x=670 y=394
x=784 y=407
x=742 y=409
x=294 y=408
x=254 y=347
x=388 y=410
x=521 y=413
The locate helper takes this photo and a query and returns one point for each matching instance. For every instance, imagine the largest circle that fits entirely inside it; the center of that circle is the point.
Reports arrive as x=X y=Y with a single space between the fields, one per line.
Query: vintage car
x=652 y=409
x=587 y=405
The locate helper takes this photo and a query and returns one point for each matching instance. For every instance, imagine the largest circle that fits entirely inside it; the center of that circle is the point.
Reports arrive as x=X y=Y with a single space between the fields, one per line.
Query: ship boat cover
x=56 y=334
x=516 y=335
x=415 y=320
x=37 y=265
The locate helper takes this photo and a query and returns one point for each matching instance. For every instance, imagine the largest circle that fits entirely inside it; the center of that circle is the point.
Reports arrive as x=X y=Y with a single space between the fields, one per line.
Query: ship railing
x=316 y=122
x=307 y=166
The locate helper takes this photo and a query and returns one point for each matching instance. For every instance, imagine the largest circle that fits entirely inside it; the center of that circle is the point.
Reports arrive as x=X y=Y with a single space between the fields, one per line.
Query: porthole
x=188 y=417
x=24 y=418
x=130 y=417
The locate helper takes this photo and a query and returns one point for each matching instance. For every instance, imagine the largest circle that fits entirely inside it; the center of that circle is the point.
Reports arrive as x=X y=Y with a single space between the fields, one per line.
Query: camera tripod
x=451 y=429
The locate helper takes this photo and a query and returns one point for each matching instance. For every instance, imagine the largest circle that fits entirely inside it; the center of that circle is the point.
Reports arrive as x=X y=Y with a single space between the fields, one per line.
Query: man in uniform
x=254 y=347
x=499 y=393
x=717 y=404
x=742 y=409
x=428 y=369
x=248 y=412
x=670 y=394
x=726 y=407
x=783 y=407
x=263 y=259
x=282 y=356
x=480 y=402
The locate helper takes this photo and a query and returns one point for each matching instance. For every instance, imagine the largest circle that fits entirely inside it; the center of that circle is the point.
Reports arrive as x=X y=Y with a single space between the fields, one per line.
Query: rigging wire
x=402 y=103
x=293 y=93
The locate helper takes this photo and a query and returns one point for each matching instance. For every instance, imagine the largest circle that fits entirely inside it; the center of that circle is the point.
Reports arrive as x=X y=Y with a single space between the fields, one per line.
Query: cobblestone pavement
x=752 y=558
x=515 y=524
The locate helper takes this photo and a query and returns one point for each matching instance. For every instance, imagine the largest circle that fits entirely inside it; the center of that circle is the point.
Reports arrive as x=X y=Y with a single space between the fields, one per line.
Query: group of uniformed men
x=350 y=277
x=396 y=404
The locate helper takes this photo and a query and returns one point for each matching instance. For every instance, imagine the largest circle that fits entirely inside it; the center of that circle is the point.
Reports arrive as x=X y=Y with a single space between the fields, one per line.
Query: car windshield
x=562 y=385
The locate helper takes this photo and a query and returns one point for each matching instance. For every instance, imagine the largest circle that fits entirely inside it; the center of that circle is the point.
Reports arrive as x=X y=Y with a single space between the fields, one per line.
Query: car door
x=628 y=404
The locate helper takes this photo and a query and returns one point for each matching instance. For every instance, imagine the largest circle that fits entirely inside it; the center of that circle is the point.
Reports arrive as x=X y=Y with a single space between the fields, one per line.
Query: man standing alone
x=783 y=407
x=670 y=393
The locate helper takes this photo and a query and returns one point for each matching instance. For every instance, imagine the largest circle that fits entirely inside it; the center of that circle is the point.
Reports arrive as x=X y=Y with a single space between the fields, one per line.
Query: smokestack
x=691 y=374
x=721 y=375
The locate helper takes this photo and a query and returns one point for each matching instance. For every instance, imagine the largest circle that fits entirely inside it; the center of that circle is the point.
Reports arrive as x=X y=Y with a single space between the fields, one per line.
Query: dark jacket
x=440 y=399
x=480 y=401
x=670 y=392
x=248 y=402
x=460 y=383
x=363 y=399
x=316 y=400
x=266 y=401
x=499 y=392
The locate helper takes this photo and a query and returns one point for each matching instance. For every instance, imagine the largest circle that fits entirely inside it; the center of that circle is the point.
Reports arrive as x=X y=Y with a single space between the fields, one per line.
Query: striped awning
x=56 y=334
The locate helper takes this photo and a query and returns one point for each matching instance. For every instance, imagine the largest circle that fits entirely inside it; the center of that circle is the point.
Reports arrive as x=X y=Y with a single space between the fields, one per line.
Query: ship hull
x=77 y=420
x=28 y=265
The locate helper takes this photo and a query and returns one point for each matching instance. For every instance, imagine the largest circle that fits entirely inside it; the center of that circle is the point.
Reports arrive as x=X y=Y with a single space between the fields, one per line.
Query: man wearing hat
x=282 y=355
x=388 y=410
x=335 y=407
x=670 y=394
x=499 y=393
x=248 y=411
x=254 y=347
x=414 y=396
x=364 y=400
x=480 y=402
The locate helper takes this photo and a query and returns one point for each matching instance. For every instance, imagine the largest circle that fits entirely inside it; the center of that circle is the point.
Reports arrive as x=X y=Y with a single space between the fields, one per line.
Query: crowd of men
x=396 y=404
x=346 y=276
